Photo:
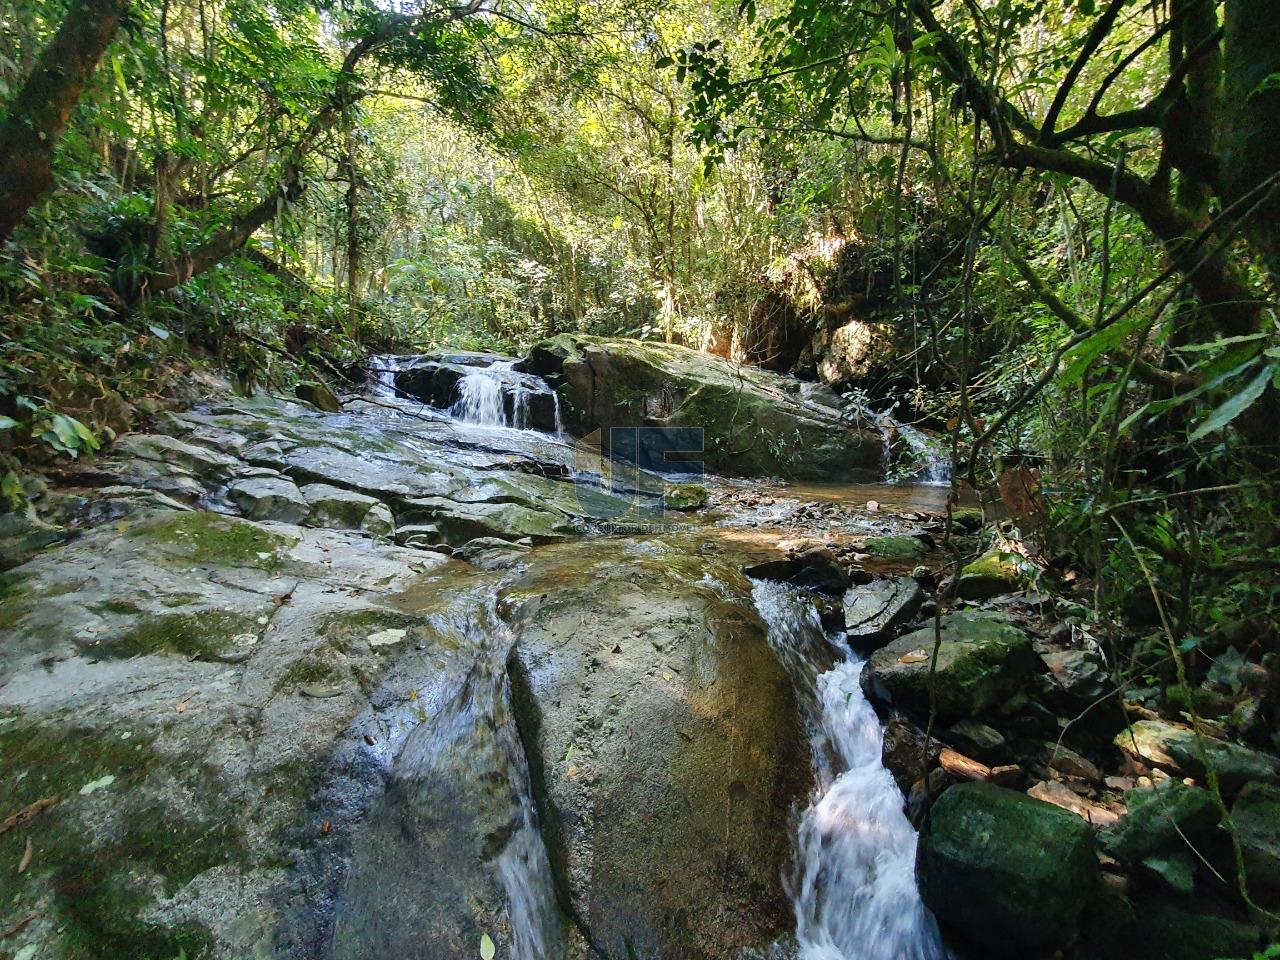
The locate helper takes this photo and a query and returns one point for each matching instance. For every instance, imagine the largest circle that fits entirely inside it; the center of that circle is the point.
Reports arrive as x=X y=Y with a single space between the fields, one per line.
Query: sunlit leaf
x=1235 y=406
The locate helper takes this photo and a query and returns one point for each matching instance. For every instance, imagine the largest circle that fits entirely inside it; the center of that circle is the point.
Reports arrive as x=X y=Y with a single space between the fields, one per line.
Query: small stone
x=319 y=692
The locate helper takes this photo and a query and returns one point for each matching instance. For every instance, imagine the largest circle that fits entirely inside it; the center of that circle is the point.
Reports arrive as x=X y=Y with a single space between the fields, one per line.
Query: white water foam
x=854 y=893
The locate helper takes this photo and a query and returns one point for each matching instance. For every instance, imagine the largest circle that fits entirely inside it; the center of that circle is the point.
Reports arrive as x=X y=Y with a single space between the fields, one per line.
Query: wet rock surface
x=982 y=659
x=743 y=412
x=663 y=739
x=256 y=701
x=873 y=611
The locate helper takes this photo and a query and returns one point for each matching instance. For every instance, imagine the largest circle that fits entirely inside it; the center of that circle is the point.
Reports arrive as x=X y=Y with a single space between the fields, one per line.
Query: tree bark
x=353 y=229
x=1250 y=136
x=40 y=112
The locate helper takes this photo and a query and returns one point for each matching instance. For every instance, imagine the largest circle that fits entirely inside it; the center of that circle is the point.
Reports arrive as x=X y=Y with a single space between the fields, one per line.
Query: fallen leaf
x=325 y=828
x=369 y=740
x=666 y=676
x=26 y=858
x=487 y=949
x=915 y=656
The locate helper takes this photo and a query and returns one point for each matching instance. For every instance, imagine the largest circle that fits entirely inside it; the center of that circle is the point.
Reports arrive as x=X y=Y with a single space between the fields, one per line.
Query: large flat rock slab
x=664 y=744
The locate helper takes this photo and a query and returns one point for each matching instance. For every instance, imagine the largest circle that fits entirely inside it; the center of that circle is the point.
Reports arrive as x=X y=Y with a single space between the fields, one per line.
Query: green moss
x=344 y=627
x=685 y=496
x=103 y=910
x=897 y=546
x=179 y=849
x=39 y=761
x=103 y=881
x=14 y=603
x=120 y=607
x=967 y=519
x=180 y=599
x=188 y=634
x=314 y=668
x=214 y=539
x=992 y=564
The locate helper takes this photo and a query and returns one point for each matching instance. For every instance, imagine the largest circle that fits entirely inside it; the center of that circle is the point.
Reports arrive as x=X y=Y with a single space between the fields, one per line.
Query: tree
x=36 y=119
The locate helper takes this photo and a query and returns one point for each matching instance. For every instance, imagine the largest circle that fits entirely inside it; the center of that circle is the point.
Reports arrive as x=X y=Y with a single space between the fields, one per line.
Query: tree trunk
x=232 y=238
x=1250 y=136
x=40 y=113
x=353 y=230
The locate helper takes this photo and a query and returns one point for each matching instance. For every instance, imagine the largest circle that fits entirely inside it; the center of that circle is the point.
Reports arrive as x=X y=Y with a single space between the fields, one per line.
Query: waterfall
x=497 y=395
x=934 y=464
x=531 y=900
x=480 y=396
x=854 y=892
x=931 y=459
x=382 y=376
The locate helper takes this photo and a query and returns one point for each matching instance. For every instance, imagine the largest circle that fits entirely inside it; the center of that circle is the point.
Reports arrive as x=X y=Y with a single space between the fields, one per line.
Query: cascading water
x=449 y=759
x=382 y=376
x=854 y=892
x=483 y=397
x=934 y=465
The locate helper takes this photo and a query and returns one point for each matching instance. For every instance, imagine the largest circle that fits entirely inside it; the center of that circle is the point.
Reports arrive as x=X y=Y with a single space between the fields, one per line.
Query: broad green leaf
x=1216 y=344
x=1080 y=357
x=487 y=949
x=1237 y=405
x=7 y=423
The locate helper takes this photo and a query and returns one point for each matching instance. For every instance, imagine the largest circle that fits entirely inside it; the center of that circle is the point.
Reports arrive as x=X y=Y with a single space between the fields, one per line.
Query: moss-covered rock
x=318 y=395
x=1176 y=934
x=209 y=538
x=684 y=496
x=984 y=657
x=209 y=635
x=665 y=747
x=458 y=522
x=269 y=498
x=992 y=574
x=752 y=424
x=335 y=507
x=1161 y=818
x=1006 y=875
x=1256 y=815
x=896 y=547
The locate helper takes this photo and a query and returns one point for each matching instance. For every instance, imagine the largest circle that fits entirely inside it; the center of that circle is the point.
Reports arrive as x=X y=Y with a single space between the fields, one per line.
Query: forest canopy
x=1045 y=228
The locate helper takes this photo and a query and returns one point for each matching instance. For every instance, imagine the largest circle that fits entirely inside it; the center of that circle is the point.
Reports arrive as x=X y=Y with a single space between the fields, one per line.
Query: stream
x=852 y=884
x=426 y=674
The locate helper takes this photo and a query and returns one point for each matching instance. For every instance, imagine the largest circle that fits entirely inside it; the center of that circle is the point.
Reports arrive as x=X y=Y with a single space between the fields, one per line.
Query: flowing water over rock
x=499 y=396
x=854 y=892
x=362 y=747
